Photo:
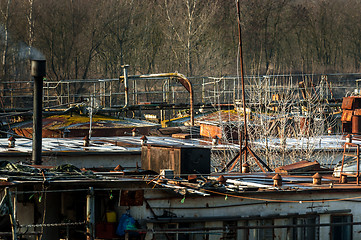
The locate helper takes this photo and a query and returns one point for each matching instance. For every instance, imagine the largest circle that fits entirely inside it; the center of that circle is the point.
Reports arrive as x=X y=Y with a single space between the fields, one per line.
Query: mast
x=245 y=134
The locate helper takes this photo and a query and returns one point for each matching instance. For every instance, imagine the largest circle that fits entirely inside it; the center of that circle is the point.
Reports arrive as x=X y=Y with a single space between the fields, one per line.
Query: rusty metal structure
x=183 y=160
x=75 y=125
x=180 y=77
x=210 y=206
x=351 y=115
x=160 y=93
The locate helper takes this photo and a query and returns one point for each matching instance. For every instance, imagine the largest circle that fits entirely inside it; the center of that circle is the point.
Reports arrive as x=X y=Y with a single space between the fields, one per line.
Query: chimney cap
x=38 y=68
x=118 y=168
x=317 y=176
x=221 y=179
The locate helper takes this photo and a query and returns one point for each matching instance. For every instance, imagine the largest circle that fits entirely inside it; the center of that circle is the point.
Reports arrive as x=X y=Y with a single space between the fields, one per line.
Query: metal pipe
x=126 y=90
x=38 y=72
x=90 y=207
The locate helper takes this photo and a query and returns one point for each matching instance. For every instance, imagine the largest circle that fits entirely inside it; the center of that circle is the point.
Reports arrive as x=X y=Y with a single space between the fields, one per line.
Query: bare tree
x=187 y=21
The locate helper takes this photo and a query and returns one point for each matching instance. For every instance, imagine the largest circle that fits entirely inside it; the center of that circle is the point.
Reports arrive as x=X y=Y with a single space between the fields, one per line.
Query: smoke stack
x=38 y=72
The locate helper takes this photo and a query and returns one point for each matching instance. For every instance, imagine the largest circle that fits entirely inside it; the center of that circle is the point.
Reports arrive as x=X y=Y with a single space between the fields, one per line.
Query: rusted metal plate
x=302 y=166
x=347 y=103
x=356 y=124
x=131 y=198
x=170 y=130
x=183 y=160
x=346 y=116
x=78 y=126
x=351 y=103
x=182 y=135
x=210 y=131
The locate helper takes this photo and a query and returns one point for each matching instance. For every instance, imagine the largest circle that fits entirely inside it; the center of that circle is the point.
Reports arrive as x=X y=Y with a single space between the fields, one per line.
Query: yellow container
x=111 y=217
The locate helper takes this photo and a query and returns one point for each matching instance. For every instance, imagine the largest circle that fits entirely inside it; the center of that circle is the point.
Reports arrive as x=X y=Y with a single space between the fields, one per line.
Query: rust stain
x=79 y=126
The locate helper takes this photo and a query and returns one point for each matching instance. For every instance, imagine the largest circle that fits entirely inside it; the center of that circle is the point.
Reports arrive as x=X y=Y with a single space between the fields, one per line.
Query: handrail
x=181 y=78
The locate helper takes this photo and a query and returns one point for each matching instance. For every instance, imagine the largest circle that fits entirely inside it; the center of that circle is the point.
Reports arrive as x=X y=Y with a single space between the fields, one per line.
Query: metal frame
x=357 y=155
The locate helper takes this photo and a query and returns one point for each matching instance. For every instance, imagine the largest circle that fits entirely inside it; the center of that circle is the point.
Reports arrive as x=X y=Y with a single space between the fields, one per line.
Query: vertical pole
x=38 y=72
x=136 y=91
x=91 y=117
x=203 y=91
x=61 y=93
x=47 y=91
x=110 y=93
x=68 y=94
x=125 y=72
x=12 y=215
x=358 y=164
x=242 y=82
x=90 y=205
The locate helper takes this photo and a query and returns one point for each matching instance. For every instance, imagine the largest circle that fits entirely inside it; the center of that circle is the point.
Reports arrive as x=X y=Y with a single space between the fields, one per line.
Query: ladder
x=357 y=156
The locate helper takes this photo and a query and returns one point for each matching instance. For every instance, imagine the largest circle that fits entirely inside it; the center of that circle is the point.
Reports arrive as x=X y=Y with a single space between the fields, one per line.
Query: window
x=342 y=231
x=307 y=232
x=231 y=231
x=262 y=233
x=187 y=235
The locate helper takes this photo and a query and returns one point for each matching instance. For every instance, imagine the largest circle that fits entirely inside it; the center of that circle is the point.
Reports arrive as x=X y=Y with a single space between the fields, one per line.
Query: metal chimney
x=38 y=72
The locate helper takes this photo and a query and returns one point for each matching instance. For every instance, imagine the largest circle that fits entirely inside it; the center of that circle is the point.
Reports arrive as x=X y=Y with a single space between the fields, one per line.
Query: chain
x=53 y=225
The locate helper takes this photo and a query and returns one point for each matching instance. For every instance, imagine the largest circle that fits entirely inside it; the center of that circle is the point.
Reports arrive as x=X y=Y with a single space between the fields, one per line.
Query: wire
x=282 y=201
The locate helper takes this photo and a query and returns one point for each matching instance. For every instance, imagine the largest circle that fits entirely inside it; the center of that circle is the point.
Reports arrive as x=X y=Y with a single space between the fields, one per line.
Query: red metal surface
x=302 y=166
x=356 y=124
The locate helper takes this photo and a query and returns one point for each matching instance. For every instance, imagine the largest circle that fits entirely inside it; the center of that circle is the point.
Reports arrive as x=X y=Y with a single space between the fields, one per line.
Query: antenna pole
x=245 y=134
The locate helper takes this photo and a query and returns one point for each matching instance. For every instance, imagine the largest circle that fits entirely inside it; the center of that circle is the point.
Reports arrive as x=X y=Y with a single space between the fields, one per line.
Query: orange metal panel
x=351 y=103
x=347 y=103
x=211 y=131
x=346 y=116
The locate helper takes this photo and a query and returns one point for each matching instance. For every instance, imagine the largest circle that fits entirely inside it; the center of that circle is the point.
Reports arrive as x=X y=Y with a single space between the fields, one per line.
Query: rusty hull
x=78 y=126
